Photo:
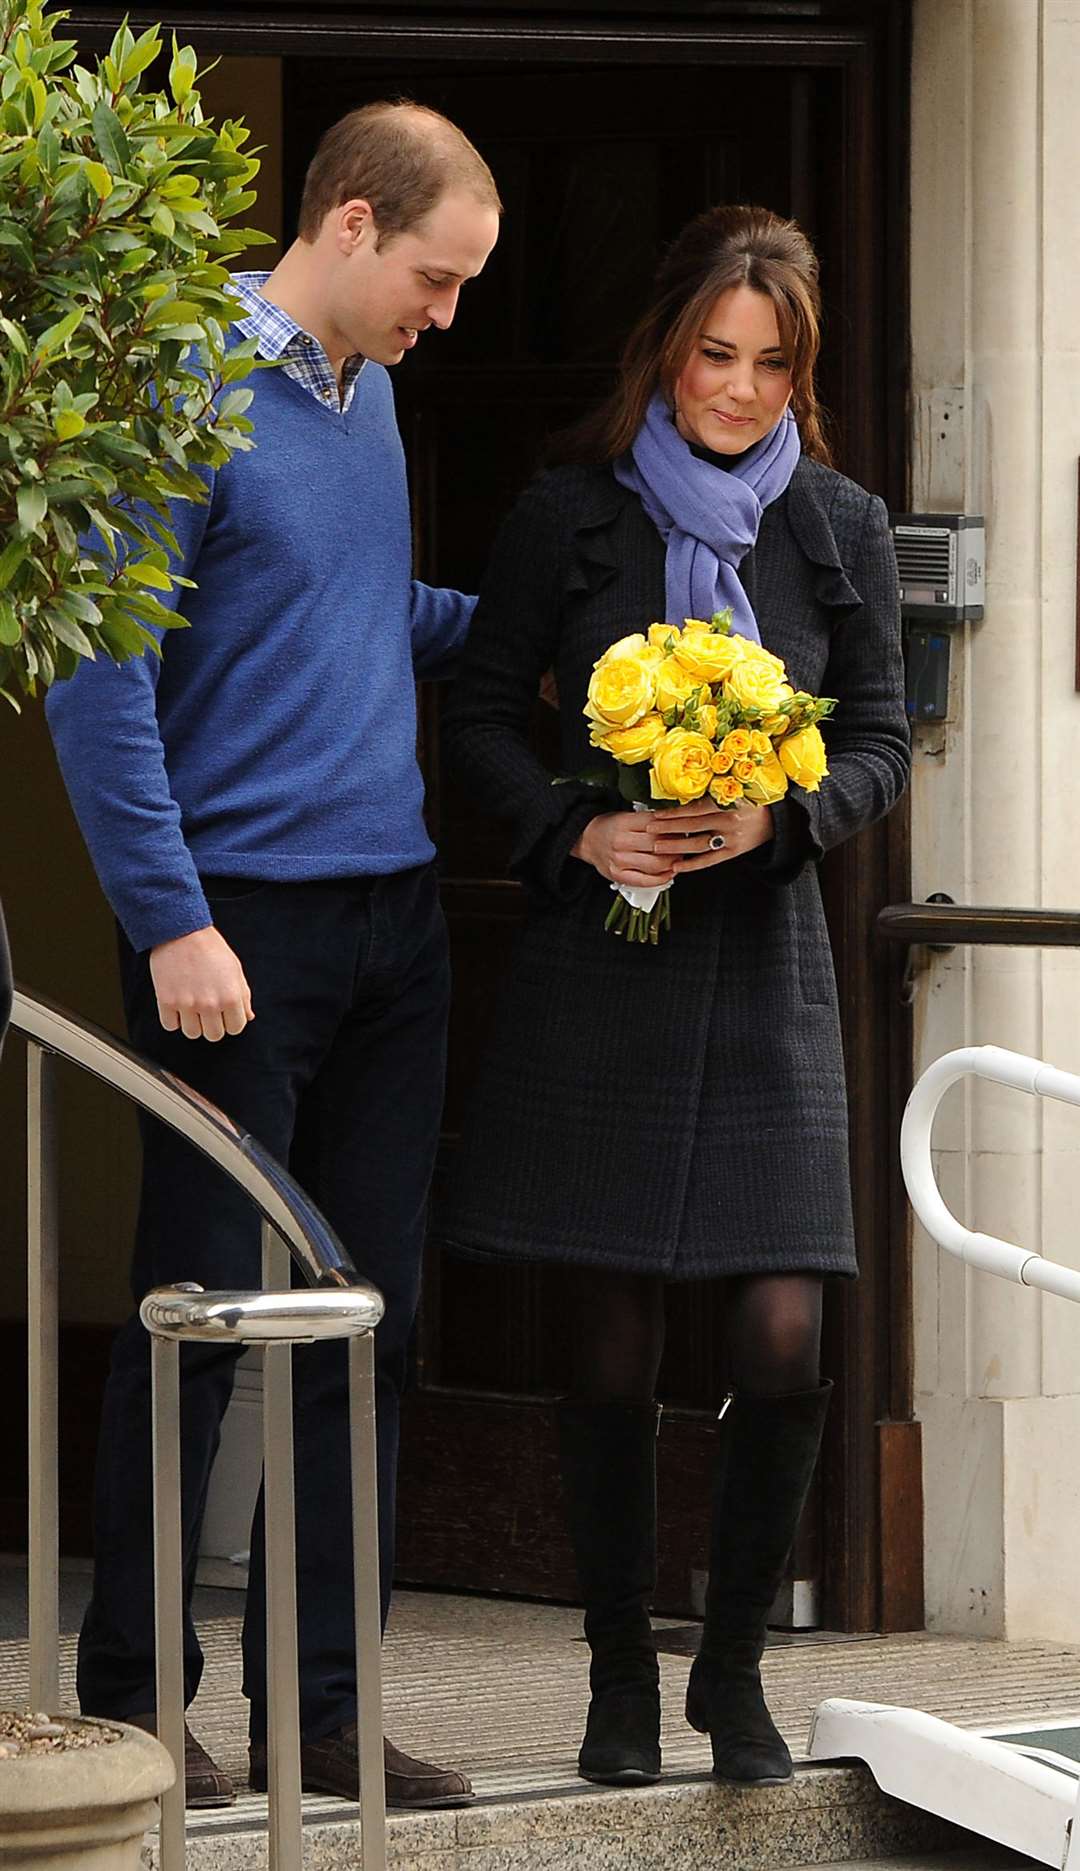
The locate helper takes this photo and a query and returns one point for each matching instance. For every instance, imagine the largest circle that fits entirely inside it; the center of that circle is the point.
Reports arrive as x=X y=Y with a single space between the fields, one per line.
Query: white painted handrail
x=984 y=1251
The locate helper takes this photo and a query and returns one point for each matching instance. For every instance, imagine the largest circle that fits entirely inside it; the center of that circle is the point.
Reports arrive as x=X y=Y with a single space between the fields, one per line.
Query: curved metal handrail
x=187 y=1311
x=336 y=1304
x=281 y=1201
x=984 y=1251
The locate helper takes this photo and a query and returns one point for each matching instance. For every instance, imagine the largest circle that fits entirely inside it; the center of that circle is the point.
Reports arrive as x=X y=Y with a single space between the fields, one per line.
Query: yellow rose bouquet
x=697 y=711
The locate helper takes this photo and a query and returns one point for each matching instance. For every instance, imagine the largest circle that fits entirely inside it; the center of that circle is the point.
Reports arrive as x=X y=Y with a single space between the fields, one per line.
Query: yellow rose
x=722 y=762
x=737 y=743
x=757 y=653
x=682 y=766
x=760 y=742
x=744 y=769
x=769 y=782
x=620 y=691
x=675 y=685
x=626 y=646
x=802 y=756
x=630 y=746
x=755 y=684
x=726 y=789
x=705 y=653
x=707 y=720
x=660 y=635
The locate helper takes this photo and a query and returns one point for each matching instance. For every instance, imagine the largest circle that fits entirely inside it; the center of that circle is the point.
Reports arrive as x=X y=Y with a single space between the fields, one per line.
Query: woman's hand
x=653 y=847
x=694 y=837
x=622 y=847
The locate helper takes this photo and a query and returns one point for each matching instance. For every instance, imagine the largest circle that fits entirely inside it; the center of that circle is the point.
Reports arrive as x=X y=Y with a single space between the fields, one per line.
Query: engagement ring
x=717 y=841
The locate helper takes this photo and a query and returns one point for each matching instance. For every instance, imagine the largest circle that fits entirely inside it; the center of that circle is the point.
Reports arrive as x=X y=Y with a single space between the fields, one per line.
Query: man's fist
x=200 y=986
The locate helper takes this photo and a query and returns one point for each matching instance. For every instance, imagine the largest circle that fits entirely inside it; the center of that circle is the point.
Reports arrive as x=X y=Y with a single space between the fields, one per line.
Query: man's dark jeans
x=340 y=1075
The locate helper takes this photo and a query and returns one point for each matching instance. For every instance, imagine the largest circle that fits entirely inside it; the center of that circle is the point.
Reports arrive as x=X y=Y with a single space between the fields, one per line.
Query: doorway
x=599 y=166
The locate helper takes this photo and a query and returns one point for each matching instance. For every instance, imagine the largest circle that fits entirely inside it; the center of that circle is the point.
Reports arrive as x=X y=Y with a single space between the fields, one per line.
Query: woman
x=678 y=1112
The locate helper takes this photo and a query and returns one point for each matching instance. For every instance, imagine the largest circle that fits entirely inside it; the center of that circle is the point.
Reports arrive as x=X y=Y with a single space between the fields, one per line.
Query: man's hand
x=200 y=986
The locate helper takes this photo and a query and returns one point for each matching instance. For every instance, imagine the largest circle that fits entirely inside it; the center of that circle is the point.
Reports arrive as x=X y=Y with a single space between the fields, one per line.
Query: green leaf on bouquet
x=633 y=783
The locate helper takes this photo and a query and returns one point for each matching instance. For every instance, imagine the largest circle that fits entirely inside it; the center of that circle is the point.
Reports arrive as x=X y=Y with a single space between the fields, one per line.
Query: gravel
x=25 y=1732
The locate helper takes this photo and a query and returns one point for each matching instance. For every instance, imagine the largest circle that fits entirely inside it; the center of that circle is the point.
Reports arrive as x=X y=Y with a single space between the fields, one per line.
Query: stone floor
x=987 y=1858
x=498 y=1687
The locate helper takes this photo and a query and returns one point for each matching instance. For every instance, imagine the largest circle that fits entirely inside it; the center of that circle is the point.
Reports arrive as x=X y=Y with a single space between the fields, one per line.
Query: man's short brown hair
x=398 y=156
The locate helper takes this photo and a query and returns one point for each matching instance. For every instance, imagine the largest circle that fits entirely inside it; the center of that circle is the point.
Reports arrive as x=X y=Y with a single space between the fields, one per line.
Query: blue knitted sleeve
x=104 y=728
x=440 y=625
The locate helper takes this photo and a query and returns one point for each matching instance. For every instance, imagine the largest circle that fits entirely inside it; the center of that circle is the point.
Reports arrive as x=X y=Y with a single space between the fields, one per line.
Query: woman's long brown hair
x=722 y=248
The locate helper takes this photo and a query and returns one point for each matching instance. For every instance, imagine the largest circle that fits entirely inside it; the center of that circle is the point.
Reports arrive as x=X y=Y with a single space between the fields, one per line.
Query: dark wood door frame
x=586 y=36
x=874 y=1533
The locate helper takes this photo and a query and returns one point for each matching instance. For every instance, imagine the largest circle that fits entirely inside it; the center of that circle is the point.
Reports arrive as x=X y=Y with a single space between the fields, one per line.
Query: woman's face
x=736 y=383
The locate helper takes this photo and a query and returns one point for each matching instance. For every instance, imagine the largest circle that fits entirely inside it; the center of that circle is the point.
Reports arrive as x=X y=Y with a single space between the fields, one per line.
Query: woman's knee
x=775 y=1335
x=618 y=1335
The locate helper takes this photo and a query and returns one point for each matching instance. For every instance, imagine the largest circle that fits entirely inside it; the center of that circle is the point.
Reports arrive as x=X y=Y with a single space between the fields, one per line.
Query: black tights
x=772 y=1330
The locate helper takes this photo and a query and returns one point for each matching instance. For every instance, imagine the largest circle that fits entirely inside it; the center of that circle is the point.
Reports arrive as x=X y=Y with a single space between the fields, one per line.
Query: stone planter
x=83 y=1803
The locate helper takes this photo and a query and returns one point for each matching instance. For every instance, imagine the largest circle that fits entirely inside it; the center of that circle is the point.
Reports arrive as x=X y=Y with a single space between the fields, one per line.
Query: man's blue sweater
x=276 y=738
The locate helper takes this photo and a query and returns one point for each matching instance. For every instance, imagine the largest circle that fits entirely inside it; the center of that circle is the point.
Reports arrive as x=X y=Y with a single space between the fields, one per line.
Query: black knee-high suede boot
x=770 y=1446
x=608 y=1457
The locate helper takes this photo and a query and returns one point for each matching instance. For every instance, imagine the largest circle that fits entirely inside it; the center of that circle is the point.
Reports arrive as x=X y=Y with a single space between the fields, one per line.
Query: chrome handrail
x=281 y=1201
x=259 y=1318
x=338 y=1304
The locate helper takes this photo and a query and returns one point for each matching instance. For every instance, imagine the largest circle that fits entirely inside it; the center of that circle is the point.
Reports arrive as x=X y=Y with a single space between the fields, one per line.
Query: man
x=252 y=804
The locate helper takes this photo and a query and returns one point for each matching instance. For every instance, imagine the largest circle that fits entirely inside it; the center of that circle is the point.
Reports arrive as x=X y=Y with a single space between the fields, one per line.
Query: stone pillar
x=996 y=356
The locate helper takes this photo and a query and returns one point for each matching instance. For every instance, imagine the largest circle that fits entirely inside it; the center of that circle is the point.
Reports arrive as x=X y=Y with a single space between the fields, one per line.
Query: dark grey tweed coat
x=677 y=1110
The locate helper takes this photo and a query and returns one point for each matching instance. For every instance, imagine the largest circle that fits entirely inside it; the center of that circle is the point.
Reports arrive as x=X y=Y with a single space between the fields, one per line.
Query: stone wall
x=996 y=799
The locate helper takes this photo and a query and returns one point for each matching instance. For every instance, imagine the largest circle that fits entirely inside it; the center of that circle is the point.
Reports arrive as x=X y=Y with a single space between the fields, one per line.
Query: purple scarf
x=708 y=516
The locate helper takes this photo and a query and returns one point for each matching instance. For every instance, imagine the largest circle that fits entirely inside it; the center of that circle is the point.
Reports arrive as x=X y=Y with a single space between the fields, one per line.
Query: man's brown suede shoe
x=206 y=1784
x=332 y=1765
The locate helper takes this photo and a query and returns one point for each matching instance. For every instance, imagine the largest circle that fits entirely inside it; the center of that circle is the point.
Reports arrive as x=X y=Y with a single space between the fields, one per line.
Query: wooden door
x=599 y=166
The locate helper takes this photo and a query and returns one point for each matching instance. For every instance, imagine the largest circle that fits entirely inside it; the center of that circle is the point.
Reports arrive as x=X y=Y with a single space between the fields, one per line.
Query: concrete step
x=827 y=1816
x=499 y=1689
x=984 y=1858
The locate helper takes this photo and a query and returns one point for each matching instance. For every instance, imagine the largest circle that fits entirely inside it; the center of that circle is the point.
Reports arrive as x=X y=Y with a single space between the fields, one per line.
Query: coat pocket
x=817 y=979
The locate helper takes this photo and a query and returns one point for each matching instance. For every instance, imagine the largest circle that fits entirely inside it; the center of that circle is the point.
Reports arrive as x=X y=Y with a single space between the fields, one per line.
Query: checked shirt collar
x=282 y=339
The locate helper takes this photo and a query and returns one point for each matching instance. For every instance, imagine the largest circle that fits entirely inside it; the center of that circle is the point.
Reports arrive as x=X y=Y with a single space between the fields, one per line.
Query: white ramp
x=1025 y=1799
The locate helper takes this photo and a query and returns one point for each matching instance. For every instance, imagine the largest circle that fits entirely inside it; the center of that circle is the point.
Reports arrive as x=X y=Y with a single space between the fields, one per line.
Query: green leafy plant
x=114 y=359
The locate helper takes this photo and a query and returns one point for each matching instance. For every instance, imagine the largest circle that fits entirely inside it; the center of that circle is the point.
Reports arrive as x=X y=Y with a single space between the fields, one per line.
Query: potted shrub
x=115 y=363
x=115 y=369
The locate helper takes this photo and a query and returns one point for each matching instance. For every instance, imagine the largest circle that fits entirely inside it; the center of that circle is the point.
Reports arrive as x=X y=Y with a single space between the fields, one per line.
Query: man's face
x=385 y=296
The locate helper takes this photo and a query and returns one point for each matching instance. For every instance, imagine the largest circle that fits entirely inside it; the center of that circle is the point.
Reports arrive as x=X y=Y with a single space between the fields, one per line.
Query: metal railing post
x=168 y=1588
x=277 y=1320
x=282 y=1668
x=42 y=1370
x=367 y=1603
